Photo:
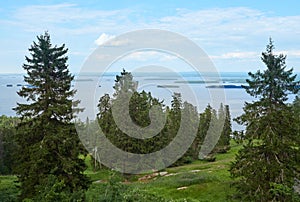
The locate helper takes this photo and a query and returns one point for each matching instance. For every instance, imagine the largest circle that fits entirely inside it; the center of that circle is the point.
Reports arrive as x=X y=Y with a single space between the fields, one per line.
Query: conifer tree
x=174 y=116
x=224 y=140
x=227 y=130
x=205 y=119
x=49 y=150
x=267 y=166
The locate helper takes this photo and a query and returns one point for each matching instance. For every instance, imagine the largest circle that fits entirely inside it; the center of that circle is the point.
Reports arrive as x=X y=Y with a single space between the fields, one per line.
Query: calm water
x=161 y=85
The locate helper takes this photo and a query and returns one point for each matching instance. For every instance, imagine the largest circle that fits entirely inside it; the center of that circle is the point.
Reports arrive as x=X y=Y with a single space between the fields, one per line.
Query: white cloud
x=253 y=55
x=110 y=40
x=157 y=56
x=60 y=13
x=215 y=27
x=66 y=19
x=103 y=38
x=225 y=33
x=295 y=53
x=142 y=56
x=289 y=53
x=232 y=28
x=236 y=55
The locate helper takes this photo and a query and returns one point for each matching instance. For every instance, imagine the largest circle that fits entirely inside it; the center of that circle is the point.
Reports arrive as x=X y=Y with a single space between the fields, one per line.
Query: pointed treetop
x=44 y=37
x=270 y=47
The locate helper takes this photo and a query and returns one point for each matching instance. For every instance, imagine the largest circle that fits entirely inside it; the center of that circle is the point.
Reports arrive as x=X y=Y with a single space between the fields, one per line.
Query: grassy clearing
x=202 y=181
x=198 y=181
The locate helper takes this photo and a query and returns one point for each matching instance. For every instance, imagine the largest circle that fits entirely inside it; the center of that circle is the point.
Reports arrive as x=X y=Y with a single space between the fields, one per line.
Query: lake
x=198 y=89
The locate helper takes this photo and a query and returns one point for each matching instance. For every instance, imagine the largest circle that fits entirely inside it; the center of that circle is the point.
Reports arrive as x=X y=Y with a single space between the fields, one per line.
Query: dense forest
x=42 y=149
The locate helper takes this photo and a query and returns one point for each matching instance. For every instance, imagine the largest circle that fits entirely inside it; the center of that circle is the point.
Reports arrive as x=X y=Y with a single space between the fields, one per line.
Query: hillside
x=198 y=181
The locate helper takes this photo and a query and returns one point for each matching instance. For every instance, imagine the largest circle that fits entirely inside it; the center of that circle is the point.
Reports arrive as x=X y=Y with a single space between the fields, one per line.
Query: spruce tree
x=227 y=130
x=224 y=140
x=49 y=150
x=139 y=105
x=204 y=124
x=205 y=119
x=266 y=167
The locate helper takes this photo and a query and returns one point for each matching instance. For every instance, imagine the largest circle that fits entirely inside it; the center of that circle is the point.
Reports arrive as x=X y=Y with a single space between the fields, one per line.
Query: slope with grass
x=198 y=181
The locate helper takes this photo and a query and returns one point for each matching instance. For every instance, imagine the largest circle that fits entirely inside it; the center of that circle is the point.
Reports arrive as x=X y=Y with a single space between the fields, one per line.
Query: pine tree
x=174 y=116
x=124 y=83
x=224 y=140
x=183 y=114
x=191 y=122
x=227 y=130
x=175 y=113
x=266 y=167
x=205 y=119
x=49 y=146
x=139 y=105
x=204 y=124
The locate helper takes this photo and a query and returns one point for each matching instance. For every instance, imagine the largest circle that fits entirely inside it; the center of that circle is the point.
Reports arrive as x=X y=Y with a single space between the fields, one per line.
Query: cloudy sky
x=232 y=33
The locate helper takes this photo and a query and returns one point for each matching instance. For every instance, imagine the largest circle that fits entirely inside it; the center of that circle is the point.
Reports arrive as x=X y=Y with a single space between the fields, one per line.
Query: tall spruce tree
x=266 y=167
x=224 y=140
x=205 y=119
x=49 y=150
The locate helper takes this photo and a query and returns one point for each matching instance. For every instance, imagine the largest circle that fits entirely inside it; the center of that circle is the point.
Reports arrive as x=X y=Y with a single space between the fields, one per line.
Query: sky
x=232 y=33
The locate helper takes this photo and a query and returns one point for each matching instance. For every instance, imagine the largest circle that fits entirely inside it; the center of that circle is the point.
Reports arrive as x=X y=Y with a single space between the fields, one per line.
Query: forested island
x=43 y=159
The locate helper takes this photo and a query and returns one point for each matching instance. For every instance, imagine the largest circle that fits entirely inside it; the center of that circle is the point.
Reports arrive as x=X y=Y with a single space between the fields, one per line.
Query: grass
x=204 y=181
x=200 y=181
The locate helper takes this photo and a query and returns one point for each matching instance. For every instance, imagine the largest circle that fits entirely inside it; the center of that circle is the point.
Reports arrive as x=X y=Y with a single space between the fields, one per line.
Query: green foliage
x=204 y=124
x=8 y=189
x=183 y=115
x=214 y=132
x=49 y=145
x=7 y=143
x=281 y=190
x=140 y=104
x=238 y=136
x=53 y=189
x=114 y=189
x=267 y=166
x=138 y=195
x=223 y=144
x=139 y=107
x=124 y=83
x=296 y=110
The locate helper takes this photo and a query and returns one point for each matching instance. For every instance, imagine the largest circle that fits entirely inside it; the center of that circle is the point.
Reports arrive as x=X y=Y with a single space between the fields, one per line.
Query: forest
x=43 y=159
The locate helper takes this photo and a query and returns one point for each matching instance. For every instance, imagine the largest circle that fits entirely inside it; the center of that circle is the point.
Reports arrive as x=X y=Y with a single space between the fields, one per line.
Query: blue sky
x=232 y=33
